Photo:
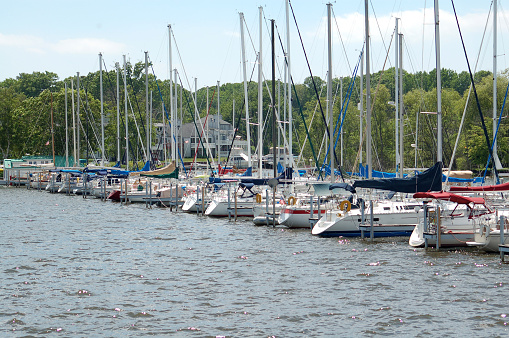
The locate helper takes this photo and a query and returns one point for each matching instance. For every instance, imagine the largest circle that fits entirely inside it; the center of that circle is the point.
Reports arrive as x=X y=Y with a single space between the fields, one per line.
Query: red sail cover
x=497 y=187
x=447 y=196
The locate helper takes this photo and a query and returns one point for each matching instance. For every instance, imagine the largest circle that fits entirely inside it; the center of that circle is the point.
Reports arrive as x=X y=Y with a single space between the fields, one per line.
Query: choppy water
x=81 y=267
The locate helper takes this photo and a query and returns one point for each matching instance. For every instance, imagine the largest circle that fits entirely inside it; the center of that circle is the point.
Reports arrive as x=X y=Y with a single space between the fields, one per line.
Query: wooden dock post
x=203 y=200
x=502 y=247
x=311 y=215
x=229 y=203
x=363 y=207
x=235 y=192
x=371 y=229
x=439 y=228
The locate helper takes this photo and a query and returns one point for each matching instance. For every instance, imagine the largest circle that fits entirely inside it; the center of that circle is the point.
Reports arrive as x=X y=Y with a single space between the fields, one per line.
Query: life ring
x=291 y=200
x=258 y=198
x=347 y=204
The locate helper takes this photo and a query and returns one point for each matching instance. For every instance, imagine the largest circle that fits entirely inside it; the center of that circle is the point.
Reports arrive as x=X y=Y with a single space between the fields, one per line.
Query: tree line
x=27 y=100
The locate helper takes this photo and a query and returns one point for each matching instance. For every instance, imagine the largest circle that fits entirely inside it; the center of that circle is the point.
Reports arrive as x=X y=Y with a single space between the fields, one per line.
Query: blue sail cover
x=363 y=172
x=429 y=180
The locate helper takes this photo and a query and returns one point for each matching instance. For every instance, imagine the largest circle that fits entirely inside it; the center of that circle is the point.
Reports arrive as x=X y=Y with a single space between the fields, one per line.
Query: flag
x=47 y=143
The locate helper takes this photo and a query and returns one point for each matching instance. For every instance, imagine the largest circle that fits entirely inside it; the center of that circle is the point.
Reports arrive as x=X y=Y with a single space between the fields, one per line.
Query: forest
x=27 y=101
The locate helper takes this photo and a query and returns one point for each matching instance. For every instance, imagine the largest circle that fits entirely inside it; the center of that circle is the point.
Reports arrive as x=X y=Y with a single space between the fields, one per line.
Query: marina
x=270 y=203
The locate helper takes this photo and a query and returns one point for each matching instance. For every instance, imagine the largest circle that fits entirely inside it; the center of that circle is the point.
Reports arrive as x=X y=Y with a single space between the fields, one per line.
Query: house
x=220 y=135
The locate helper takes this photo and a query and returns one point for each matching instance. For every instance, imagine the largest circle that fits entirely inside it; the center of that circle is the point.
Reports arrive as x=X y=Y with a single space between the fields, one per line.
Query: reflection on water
x=82 y=267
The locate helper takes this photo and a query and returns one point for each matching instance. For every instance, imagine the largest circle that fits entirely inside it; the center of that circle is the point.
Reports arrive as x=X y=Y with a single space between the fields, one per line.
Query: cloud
x=30 y=43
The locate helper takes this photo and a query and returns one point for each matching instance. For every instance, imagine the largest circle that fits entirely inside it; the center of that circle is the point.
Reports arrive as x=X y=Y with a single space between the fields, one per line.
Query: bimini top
x=496 y=187
x=447 y=196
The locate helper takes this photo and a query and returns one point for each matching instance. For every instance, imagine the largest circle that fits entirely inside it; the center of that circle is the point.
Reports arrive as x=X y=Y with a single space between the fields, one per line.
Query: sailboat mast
x=495 y=155
x=102 y=106
x=172 y=131
x=289 y=90
x=150 y=129
x=368 y=96
x=361 y=107
x=78 y=116
x=147 y=130
x=329 y=93
x=126 y=117
x=207 y=133
x=173 y=139
x=73 y=122
x=52 y=131
x=117 y=66
x=396 y=96
x=439 y=84
x=341 y=114
x=246 y=100
x=401 y=110
x=219 y=127
x=274 y=145
x=66 y=129
x=260 y=100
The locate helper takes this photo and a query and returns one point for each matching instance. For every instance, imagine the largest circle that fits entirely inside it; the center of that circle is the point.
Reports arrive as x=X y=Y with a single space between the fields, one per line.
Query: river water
x=76 y=267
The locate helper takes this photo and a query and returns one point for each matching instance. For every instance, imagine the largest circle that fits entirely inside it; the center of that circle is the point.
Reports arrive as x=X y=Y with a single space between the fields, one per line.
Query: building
x=219 y=141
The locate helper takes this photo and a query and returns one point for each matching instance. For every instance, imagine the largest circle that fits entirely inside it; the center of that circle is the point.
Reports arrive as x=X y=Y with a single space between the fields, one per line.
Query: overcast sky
x=66 y=37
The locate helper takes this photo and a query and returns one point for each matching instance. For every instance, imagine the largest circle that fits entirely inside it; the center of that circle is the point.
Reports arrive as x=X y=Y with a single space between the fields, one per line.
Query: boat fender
x=292 y=200
x=258 y=198
x=345 y=206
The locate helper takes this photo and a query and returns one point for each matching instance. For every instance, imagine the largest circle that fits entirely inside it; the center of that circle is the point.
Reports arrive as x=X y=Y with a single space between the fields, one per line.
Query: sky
x=65 y=37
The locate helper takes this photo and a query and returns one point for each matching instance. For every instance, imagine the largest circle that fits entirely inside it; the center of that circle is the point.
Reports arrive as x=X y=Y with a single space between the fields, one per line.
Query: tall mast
x=495 y=154
x=246 y=100
x=117 y=66
x=260 y=100
x=274 y=162
x=150 y=129
x=285 y=79
x=181 y=111
x=207 y=133
x=164 y=135
x=219 y=127
x=73 y=122
x=368 y=95
x=401 y=107
x=52 y=131
x=290 y=117
x=396 y=96
x=341 y=114
x=329 y=93
x=174 y=121
x=147 y=130
x=439 y=84
x=361 y=107
x=126 y=117
x=172 y=131
x=102 y=106
x=78 y=116
x=66 y=130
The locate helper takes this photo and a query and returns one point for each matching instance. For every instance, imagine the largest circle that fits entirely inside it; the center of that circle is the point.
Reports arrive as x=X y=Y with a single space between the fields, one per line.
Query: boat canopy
x=170 y=171
x=344 y=186
x=447 y=196
x=429 y=180
x=284 y=178
x=496 y=187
